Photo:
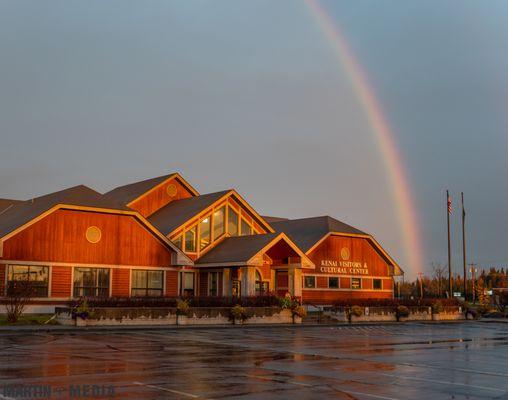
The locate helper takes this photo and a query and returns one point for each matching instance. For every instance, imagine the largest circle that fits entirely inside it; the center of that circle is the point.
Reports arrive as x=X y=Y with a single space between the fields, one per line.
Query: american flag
x=449 y=204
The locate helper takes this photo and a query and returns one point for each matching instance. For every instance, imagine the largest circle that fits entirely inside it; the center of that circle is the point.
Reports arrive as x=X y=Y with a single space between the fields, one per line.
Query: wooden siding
x=171 y=284
x=2 y=278
x=60 y=237
x=203 y=283
x=329 y=296
x=360 y=249
x=120 y=282
x=159 y=197
x=61 y=281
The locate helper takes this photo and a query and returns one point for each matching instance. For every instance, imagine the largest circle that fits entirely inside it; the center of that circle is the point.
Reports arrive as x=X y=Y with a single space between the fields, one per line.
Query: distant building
x=160 y=237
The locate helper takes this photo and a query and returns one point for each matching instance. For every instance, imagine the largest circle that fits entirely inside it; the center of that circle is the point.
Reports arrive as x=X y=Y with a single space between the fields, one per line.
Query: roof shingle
x=306 y=232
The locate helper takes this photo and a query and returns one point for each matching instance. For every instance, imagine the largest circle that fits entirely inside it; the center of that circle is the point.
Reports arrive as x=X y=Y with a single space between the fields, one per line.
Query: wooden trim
x=175 y=175
x=282 y=235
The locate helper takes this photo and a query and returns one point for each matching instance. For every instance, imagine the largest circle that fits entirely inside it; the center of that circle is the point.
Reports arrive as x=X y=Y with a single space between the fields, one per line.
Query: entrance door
x=281 y=282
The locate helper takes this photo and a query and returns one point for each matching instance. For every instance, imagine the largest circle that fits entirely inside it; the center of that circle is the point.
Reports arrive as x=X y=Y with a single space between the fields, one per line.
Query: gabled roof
x=178 y=212
x=126 y=194
x=243 y=250
x=23 y=212
x=7 y=203
x=270 y=220
x=306 y=232
x=79 y=197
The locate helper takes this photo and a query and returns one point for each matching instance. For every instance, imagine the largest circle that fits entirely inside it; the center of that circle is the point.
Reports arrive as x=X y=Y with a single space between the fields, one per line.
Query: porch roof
x=248 y=250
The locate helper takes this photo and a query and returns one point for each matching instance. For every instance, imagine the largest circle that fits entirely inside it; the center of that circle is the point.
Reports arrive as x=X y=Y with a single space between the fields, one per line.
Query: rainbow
x=407 y=216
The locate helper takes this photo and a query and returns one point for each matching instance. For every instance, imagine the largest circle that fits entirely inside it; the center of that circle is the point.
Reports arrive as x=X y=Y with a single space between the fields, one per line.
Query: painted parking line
x=193 y=396
x=272 y=379
x=411 y=378
x=375 y=396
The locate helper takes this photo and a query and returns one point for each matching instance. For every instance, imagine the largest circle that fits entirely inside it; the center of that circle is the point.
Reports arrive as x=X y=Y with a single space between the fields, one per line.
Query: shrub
x=239 y=313
x=437 y=307
x=81 y=309
x=357 y=311
x=286 y=302
x=483 y=309
x=268 y=300
x=182 y=307
x=18 y=295
x=299 y=312
x=401 y=312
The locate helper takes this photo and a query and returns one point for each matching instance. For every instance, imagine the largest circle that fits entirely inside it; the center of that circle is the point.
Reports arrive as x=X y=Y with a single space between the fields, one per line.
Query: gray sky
x=249 y=94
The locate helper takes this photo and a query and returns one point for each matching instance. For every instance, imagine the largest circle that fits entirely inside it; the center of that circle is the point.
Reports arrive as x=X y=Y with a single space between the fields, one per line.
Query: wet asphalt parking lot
x=406 y=361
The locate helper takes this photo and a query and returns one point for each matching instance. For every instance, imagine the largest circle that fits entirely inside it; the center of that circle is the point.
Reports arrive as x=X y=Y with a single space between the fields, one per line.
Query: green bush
x=437 y=307
x=182 y=307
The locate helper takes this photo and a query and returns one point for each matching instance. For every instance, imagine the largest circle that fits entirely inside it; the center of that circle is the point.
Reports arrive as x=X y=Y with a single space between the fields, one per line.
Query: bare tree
x=438 y=271
x=18 y=296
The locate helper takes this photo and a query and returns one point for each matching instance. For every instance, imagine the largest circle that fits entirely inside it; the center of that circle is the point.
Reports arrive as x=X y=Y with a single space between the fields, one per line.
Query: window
x=219 y=222
x=188 y=284
x=309 y=282
x=333 y=282
x=204 y=233
x=356 y=283
x=214 y=284
x=147 y=283
x=232 y=222
x=179 y=242
x=37 y=276
x=376 y=283
x=93 y=282
x=190 y=239
x=246 y=229
x=261 y=287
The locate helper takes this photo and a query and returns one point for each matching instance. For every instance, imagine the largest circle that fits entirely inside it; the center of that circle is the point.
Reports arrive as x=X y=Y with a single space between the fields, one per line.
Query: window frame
x=195 y=241
x=313 y=277
x=359 y=280
x=217 y=289
x=44 y=294
x=224 y=222
x=208 y=219
x=147 y=288
x=338 y=282
x=96 y=288
x=231 y=210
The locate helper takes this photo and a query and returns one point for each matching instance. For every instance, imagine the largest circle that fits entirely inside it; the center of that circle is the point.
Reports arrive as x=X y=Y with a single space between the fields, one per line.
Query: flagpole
x=448 y=210
x=464 y=244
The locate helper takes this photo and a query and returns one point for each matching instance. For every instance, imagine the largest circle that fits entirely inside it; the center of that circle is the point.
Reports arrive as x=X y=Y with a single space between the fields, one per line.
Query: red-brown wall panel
x=360 y=251
x=2 y=279
x=60 y=237
x=120 y=282
x=171 y=284
x=159 y=197
x=322 y=282
x=203 y=283
x=61 y=284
